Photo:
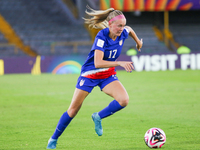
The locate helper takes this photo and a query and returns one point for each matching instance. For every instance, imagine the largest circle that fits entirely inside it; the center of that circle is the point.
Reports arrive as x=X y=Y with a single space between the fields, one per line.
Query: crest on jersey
x=81 y=82
x=120 y=42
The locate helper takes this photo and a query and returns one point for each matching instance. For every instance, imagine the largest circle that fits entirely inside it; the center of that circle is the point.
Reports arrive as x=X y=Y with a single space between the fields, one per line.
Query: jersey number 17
x=112 y=53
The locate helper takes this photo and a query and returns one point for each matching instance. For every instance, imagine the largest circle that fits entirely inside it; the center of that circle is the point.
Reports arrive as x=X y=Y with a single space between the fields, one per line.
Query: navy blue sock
x=62 y=124
x=113 y=107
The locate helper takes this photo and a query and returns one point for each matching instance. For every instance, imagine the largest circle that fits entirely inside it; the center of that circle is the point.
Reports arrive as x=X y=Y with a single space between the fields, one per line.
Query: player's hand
x=127 y=65
x=139 y=45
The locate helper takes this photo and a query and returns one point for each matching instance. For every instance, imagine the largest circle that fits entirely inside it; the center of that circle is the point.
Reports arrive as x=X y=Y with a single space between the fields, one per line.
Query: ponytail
x=99 y=18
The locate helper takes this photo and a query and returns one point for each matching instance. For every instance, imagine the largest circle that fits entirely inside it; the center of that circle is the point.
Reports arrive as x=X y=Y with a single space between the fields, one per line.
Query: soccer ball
x=155 y=138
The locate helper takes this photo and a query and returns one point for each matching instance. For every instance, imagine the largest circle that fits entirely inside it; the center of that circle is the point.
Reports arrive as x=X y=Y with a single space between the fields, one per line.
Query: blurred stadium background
x=32 y=31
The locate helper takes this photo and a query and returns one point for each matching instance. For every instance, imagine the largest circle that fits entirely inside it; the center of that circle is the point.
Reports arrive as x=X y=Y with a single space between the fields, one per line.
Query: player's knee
x=124 y=101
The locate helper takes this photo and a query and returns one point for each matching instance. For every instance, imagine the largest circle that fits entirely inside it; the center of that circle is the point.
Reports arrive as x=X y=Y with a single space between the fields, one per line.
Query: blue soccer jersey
x=111 y=49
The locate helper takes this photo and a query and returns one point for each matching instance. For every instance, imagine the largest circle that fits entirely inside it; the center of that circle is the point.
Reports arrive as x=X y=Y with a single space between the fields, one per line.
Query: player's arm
x=132 y=33
x=100 y=63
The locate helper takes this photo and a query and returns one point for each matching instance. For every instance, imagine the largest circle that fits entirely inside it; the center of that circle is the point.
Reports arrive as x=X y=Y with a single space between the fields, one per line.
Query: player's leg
x=77 y=100
x=116 y=90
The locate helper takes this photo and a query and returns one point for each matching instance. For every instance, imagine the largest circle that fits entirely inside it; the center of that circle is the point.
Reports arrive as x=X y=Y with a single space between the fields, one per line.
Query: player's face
x=117 y=27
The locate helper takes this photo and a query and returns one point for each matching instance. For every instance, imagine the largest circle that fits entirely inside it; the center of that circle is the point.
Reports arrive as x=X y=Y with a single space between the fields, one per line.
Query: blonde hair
x=100 y=18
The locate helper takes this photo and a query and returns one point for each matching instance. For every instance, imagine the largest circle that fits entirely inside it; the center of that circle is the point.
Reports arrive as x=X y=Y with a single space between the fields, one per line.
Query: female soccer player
x=99 y=69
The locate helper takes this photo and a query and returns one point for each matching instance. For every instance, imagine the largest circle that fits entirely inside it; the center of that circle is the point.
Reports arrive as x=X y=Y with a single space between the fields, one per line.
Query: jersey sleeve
x=125 y=32
x=99 y=42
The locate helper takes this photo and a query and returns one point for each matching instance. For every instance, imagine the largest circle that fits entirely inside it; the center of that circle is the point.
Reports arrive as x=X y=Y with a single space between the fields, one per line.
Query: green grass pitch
x=30 y=107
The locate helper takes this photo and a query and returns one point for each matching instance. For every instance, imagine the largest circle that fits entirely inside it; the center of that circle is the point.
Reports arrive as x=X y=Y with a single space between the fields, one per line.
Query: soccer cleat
x=52 y=143
x=97 y=121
